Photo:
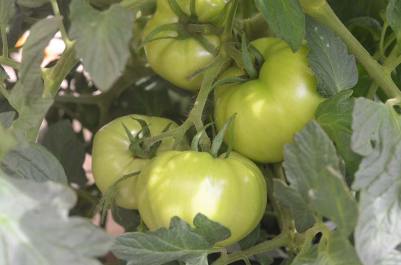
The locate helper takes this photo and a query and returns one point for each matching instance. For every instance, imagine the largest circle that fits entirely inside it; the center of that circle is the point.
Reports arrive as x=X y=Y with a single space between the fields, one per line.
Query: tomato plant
x=177 y=55
x=186 y=183
x=272 y=108
x=112 y=158
x=292 y=108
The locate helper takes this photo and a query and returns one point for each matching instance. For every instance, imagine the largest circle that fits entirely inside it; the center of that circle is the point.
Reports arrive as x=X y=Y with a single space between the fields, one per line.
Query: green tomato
x=177 y=60
x=112 y=159
x=272 y=108
x=230 y=191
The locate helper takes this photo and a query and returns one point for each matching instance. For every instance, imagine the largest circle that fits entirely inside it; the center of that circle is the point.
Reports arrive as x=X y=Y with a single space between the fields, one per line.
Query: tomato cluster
x=230 y=188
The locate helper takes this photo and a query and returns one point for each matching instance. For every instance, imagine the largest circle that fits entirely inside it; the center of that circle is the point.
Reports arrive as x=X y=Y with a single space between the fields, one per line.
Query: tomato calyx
x=188 y=26
x=252 y=59
x=218 y=140
x=246 y=57
x=136 y=147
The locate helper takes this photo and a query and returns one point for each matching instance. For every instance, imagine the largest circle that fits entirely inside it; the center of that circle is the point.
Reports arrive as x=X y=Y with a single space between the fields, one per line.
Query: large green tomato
x=271 y=109
x=176 y=60
x=112 y=159
x=231 y=191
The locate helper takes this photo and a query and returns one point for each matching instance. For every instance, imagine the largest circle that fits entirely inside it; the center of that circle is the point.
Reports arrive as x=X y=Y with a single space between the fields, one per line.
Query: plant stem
x=195 y=115
x=56 y=11
x=9 y=62
x=393 y=60
x=266 y=246
x=321 y=11
x=4 y=41
x=55 y=75
x=372 y=90
x=390 y=40
x=382 y=37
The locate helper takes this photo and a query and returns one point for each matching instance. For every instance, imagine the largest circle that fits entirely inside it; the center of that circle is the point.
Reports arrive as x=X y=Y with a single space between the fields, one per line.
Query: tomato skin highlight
x=177 y=60
x=112 y=159
x=231 y=191
x=272 y=108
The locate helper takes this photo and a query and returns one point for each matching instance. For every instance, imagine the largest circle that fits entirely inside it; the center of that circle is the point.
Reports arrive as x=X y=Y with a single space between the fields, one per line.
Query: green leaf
x=32 y=55
x=377 y=137
x=61 y=140
x=201 y=260
x=334 y=68
x=103 y=40
x=7 y=11
x=7 y=141
x=318 y=177
x=36 y=229
x=376 y=132
x=32 y=3
x=219 y=138
x=286 y=20
x=3 y=73
x=393 y=15
x=212 y=231
x=26 y=95
x=361 y=89
x=7 y=118
x=290 y=198
x=30 y=115
x=247 y=59
x=335 y=250
x=179 y=242
x=335 y=117
x=33 y=162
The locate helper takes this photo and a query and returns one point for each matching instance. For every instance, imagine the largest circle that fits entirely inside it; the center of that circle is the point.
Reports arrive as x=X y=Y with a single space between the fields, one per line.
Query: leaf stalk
x=321 y=11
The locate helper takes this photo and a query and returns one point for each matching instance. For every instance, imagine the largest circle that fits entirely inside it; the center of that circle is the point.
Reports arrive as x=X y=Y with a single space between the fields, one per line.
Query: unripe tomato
x=176 y=60
x=230 y=191
x=271 y=109
x=112 y=159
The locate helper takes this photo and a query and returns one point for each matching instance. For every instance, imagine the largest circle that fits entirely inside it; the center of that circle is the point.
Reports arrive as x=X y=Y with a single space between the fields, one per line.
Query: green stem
x=390 y=41
x=55 y=75
x=9 y=62
x=393 y=60
x=56 y=11
x=4 y=41
x=266 y=246
x=176 y=132
x=195 y=115
x=175 y=7
x=382 y=37
x=321 y=11
x=372 y=90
